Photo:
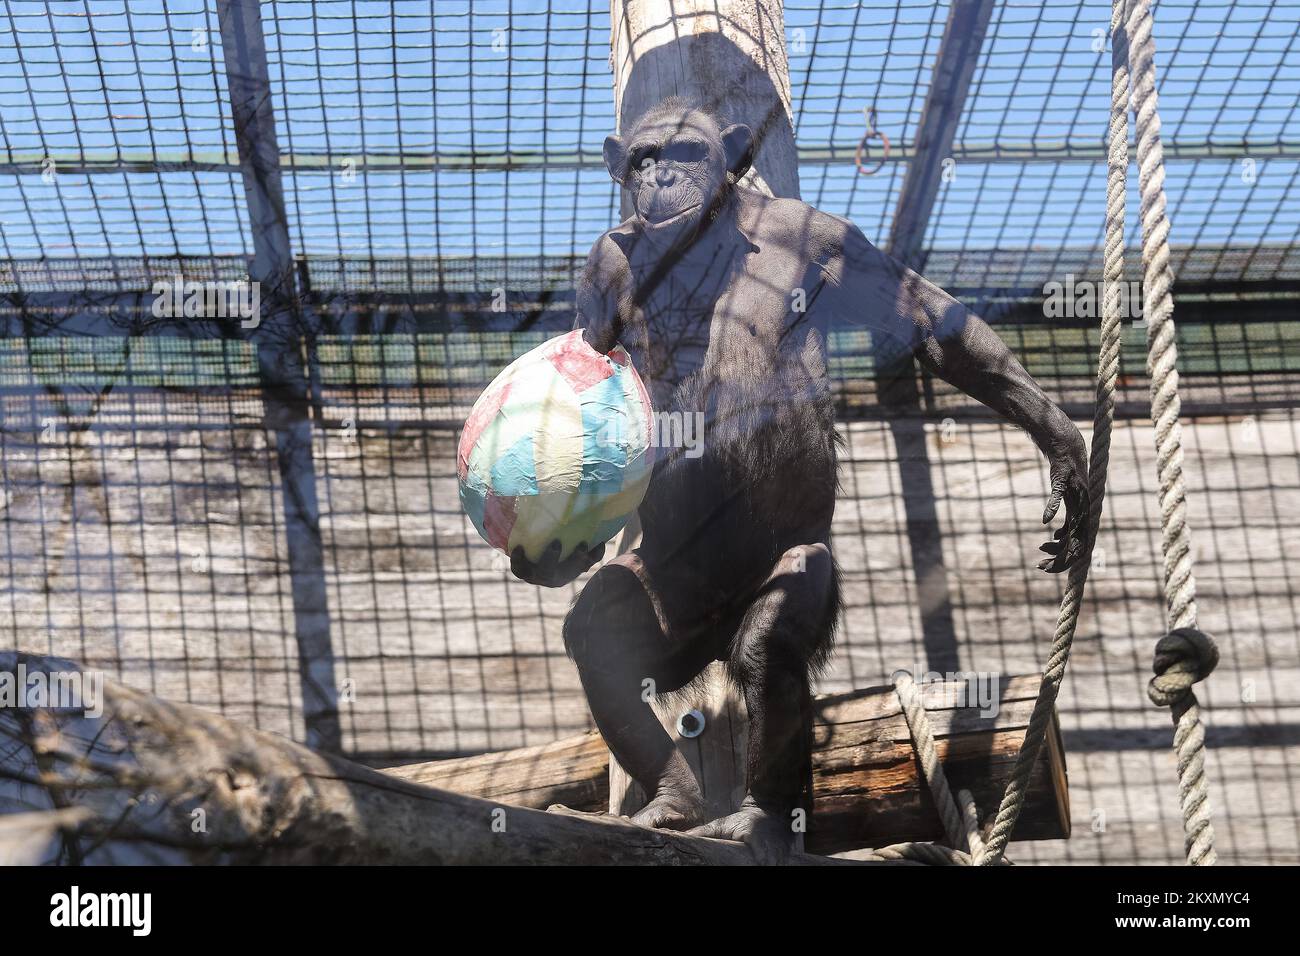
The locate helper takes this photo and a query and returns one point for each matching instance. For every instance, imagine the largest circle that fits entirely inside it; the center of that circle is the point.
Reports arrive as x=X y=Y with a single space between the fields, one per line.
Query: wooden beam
x=32 y=162
x=867 y=785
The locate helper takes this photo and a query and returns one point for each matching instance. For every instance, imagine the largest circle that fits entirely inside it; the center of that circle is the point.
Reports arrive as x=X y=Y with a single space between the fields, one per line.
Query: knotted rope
x=1185 y=655
x=1013 y=800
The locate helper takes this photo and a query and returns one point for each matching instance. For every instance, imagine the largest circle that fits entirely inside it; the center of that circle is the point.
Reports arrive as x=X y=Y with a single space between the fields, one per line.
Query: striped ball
x=557 y=447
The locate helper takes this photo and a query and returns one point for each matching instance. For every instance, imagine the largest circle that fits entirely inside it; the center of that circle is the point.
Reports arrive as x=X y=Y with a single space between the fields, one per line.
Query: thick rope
x=1185 y=655
x=971 y=817
x=931 y=854
x=1184 y=650
x=954 y=821
x=1013 y=800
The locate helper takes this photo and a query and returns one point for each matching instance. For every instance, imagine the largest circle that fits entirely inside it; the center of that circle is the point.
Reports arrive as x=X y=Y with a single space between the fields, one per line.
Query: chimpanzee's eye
x=685 y=151
x=641 y=157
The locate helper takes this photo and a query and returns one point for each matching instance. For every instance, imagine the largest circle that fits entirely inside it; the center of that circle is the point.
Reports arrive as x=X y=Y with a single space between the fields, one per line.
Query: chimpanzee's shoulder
x=613 y=241
x=794 y=221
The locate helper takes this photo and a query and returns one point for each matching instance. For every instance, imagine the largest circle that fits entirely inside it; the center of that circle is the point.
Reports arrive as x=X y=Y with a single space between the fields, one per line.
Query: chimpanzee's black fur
x=725 y=297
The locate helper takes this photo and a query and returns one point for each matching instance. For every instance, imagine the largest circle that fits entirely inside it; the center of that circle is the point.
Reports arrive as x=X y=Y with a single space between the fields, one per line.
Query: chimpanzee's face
x=675 y=166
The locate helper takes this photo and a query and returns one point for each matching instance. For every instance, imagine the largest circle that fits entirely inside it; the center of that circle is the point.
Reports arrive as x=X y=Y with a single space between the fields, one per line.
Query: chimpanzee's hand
x=549 y=571
x=1069 y=474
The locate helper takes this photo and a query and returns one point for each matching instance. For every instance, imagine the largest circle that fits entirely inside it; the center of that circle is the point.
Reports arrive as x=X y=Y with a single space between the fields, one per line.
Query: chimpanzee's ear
x=738 y=142
x=615 y=158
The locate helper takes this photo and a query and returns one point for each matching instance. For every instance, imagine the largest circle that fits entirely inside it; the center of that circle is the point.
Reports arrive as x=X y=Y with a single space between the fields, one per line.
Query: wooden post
x=730 y=55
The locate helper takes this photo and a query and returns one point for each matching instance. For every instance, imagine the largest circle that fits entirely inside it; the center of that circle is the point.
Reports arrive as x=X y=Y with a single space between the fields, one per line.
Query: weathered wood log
x=867 y=785
x=573 y=771
x=161 y=782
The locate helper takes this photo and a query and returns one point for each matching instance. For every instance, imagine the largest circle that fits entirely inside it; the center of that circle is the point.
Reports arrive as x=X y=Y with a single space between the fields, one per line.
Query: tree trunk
x=149 y=781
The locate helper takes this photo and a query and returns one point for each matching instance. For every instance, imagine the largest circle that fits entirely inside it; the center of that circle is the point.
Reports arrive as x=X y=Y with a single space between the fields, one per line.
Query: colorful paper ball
x=557 y=448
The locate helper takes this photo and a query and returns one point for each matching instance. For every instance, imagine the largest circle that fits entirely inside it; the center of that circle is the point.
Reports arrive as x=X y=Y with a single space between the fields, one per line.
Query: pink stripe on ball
x=499 y=521
x=485 y=409
x=578 y=363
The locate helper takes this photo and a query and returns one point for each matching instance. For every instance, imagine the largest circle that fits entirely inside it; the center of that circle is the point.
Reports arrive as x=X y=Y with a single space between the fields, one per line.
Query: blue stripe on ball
x=604 y=443
x=474 y=501
x=515 y=471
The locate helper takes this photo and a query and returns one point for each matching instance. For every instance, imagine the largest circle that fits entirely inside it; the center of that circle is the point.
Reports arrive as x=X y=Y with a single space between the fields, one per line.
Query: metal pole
x=281 y=337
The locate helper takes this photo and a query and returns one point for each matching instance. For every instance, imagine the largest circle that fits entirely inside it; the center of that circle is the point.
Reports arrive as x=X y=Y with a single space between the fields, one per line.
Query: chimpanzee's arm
x=601 y=296
x=912 y=314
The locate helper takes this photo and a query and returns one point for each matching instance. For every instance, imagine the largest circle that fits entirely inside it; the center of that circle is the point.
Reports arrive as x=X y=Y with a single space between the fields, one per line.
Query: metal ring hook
x=869 y=113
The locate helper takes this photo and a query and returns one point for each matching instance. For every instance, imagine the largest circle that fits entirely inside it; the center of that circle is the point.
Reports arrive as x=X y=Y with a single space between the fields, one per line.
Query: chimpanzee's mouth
x=656 y=223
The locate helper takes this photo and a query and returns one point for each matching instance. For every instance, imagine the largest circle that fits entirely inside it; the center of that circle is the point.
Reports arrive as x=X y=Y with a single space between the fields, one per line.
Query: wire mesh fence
x=436 y=158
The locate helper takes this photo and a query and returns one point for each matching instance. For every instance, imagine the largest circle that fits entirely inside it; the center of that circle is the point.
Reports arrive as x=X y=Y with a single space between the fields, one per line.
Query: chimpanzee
x=724 y=298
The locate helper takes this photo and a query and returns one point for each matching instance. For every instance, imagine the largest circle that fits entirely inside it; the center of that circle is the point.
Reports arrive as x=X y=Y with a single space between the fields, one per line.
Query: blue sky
x=351 y=77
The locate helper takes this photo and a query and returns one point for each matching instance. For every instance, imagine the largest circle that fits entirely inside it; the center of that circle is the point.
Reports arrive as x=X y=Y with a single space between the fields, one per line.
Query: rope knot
x=1183 y=657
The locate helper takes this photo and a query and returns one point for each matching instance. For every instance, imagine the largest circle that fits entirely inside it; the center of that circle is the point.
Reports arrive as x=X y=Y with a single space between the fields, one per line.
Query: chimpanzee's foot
x=769 y=836
x=671 y=809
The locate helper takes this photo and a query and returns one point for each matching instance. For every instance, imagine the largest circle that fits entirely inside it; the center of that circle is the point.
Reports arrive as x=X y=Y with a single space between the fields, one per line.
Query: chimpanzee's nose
x=664 y=174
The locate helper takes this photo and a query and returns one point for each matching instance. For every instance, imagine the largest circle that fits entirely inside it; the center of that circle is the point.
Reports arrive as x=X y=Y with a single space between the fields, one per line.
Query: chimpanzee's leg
x=785 y=634
x=618 y=636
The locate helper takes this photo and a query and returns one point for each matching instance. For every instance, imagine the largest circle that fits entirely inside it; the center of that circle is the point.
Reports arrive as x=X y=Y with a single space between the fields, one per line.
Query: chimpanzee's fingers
x=1054 y=502
x=591 y=555
x=581 y=558
x=1054 y=545
x=717 y=829
x=1071 y=543
x=1054 y=565
x=551 y=556
x=520 y=566
x=1059 y=549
